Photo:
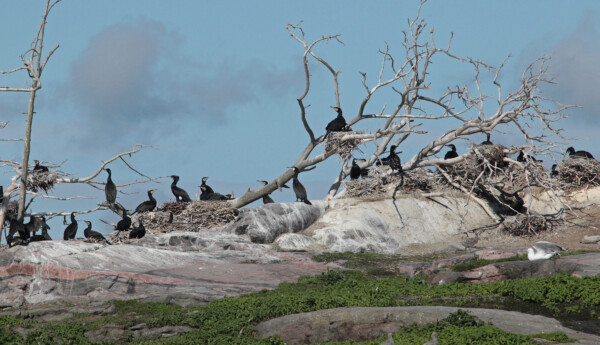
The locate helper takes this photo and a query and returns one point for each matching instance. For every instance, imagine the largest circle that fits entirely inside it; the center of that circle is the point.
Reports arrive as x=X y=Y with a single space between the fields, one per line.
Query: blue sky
x=213 y=85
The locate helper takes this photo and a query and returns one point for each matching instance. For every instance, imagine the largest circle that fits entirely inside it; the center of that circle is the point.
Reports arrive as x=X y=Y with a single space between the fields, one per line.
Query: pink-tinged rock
x=75 y=270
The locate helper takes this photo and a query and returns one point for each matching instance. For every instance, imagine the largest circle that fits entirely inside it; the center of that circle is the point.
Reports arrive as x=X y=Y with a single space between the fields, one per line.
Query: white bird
x=544 y=250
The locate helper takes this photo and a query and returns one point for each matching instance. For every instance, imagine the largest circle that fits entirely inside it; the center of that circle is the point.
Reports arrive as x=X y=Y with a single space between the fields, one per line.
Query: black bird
x=34 y=224
x=382 y=161
x=89 y=233
x=299 y=188
x=579 y=154
x=147 y=205
x=364 y=172
x=336 y=125
x=523 y=158
x=170 y=218
x=554 y=171
x=206 y=191
x=355 y=170
x=138 y=231
x=39 y=167
x=1 y=194
x=207 y=196
x=394 y=159
x=71 y=230
x=125 y=223
x=452 y=153
x=266 y=199
x=44 y=236
x=110 y=190
x=487 y=141
x=180 y=194
x=16 y=227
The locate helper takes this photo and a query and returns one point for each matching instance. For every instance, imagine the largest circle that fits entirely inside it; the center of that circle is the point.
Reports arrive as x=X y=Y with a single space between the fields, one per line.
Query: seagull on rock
x=544 y=250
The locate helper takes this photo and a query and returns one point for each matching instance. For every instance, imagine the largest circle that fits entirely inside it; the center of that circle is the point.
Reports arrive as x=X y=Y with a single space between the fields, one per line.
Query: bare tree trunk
x=26 y=151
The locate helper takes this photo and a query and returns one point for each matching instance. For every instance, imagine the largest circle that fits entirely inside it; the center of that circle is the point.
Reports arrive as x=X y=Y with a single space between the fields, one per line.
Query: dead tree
x=34 y=63
x=466 y=106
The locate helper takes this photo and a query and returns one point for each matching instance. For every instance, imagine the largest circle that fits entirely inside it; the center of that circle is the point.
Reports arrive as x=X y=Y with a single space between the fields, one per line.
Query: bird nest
x=379 y=182
x=575 y=173
x=530 y=224
x=343 y=148
x=43 y=180
x=193 y=216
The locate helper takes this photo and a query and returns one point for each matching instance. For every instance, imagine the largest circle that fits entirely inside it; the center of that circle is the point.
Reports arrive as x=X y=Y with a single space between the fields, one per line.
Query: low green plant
x=476 y=263
x=559 y=337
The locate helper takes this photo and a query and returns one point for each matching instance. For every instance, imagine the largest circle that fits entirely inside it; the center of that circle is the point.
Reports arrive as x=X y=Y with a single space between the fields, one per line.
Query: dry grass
x=575 y=173
x=530 y=224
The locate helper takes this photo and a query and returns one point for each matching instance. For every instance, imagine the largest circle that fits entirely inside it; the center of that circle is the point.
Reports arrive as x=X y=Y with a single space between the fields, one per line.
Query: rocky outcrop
x=385 y=226
x=263 y=224
x=365 y=323
x=191 y=271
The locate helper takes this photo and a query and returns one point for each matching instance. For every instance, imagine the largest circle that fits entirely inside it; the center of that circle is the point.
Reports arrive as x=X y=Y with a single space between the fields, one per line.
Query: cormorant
x=89 y=233
x=394 y=159
x=336 y=125
x=266 y=199
x=71 y=230
x=34 y=224
x=138 y=231
x=180 y=194
x=207 y=196
x=579 y=154
x=1 y=194
x=110 y=190
x=523 y=158
x=206 y=191
x=170 y=218
x=554 y=171
x=452 y=153
x=364 y=172
x=16 y=227
x=147 y=205
x=43 y=237
x=487 y=141
x=299 y=188
x=125 y=223
x=355 y=170
x=39 y=167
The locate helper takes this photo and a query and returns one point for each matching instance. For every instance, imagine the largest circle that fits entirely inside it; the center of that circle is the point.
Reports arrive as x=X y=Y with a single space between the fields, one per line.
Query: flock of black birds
x=338 y=124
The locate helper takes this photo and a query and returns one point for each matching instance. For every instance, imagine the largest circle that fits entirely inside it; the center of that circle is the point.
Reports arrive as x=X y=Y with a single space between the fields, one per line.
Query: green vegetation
x=475 y=263
x=230 y=320
x=558 y=337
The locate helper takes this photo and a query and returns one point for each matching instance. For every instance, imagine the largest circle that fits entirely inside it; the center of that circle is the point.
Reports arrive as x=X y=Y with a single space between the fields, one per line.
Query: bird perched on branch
x=110 y=189
x=266 y=199
x=89 y=233
x=487 y=141
x=578 y=154
x=452 y=153
x=180 y=194
x=71 y=229
x=338 y=124
x=147 y=205
x=394 y=159
x=299 y=189
x=39 y=167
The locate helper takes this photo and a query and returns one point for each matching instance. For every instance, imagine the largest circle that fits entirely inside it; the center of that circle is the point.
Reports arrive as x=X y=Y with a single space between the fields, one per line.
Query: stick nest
x=379 y=182
x=530 y=224
x=43 y=180
x=192 y=216
x=575 y=173
x=343 y=148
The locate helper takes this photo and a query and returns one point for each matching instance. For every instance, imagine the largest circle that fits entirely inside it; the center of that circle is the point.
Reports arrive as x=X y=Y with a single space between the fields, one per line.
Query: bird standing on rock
x=89 y=233
x=71 y=230
x=544 y=250
x=110 y=189
x=179 y=193
x=299 y=189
